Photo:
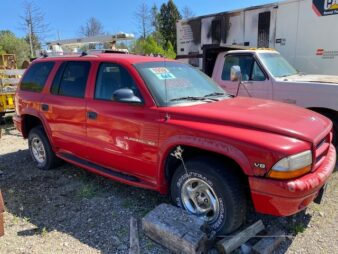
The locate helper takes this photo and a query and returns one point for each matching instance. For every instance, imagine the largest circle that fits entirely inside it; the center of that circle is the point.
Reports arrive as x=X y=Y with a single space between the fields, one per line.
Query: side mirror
x=235 y=73
x=125 y=95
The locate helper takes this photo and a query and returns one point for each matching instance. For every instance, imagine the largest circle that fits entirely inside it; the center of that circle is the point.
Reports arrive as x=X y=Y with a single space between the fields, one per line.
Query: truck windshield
x=277 y=65
x=173 y=83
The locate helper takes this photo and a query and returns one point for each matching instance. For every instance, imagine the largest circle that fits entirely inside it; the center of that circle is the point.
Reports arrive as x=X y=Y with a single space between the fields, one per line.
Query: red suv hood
x=267 y=115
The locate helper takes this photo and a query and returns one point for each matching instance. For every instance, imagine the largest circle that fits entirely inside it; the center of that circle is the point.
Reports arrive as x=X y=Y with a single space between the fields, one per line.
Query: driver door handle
x=91 y=115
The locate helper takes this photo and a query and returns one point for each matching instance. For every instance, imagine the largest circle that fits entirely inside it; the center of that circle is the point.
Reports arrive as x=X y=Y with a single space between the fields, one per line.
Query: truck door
x=255 y=80
x=64 y=108
x=122 y=136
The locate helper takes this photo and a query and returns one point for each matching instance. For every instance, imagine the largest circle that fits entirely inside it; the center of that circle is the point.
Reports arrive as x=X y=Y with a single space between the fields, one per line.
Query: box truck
x=303 y=31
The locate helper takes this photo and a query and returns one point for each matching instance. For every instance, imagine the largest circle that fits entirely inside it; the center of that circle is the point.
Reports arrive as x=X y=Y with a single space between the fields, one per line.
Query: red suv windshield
x=173 y=83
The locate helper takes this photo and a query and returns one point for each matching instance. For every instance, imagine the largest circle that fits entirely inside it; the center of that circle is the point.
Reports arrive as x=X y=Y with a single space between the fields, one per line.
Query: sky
x=67 y=16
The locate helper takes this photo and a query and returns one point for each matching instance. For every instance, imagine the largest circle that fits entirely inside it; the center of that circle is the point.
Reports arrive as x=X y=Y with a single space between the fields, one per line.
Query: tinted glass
x=112 y=77
x=57 y=79
x=249 y=67
x=73 y=80
x=35 y=78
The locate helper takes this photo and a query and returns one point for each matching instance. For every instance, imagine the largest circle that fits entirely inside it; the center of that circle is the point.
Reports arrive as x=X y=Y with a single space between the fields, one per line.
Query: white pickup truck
x=266 y=74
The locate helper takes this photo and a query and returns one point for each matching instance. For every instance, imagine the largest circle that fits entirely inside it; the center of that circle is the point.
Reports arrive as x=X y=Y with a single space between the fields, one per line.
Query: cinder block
x=175 y=229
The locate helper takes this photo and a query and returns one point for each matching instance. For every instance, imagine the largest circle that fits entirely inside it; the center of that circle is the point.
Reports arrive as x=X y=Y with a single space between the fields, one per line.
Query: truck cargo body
x=303 y=31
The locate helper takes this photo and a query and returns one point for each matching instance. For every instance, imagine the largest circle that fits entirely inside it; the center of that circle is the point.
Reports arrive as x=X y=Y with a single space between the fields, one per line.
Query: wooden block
x=175 y=229
x=2 y=209
x=268 y=244
x=134 y=241
x=227 y=245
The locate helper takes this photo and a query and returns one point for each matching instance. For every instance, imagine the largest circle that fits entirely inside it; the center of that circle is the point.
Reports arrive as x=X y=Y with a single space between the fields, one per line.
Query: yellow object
x=271 y=49
x=9 y=77
x=289 y=174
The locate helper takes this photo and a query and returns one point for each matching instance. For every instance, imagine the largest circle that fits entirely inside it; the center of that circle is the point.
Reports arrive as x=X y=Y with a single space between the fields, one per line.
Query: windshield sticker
x=162 y=73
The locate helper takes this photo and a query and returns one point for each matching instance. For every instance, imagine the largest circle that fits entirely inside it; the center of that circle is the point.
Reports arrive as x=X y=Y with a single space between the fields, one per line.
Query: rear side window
x=35 y=78
x=71 y=79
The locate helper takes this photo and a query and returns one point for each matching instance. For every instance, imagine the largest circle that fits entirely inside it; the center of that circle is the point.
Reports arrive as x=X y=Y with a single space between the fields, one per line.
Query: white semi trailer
x=303 y=31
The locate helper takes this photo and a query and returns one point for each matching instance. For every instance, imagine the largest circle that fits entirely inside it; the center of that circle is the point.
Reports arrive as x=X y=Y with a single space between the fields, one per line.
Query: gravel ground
x=69 y=210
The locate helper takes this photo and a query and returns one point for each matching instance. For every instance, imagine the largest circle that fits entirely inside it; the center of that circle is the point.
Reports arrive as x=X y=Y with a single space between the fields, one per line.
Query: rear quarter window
x=36 y=76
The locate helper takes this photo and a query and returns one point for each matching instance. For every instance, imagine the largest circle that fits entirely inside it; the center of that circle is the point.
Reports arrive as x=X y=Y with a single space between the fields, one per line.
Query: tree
x=144 y=20
x=34 y=25
x=170 y=51
x=187 y=13
x=155 y=25
x=93 y=27
x=11 y=44
x=149 y=46
x=167 y=19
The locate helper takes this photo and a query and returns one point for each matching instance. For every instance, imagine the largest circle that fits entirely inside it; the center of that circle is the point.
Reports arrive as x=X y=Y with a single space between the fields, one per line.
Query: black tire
x=37 y=134
x=225 y=184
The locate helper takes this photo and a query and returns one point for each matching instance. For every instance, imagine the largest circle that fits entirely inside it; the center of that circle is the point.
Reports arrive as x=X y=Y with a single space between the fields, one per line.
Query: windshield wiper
x=214 y=94
x=190 y=98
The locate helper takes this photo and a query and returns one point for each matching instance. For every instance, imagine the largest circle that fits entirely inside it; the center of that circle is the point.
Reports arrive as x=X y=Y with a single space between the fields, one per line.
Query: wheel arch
x=29 y=121
x=325 y=111
x=170 y=163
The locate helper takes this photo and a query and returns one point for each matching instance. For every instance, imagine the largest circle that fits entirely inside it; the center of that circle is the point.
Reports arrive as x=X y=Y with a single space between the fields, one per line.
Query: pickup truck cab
x=266 y=74
x=163 y=125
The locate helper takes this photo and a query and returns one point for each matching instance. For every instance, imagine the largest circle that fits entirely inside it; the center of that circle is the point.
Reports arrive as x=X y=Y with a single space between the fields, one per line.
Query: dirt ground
x=68 y=210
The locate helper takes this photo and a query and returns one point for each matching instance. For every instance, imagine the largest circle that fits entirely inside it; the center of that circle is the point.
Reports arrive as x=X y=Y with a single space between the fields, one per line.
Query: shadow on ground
x=90 y=208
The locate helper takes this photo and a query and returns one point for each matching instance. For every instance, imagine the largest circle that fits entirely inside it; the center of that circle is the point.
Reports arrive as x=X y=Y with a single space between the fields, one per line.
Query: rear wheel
x=212 y=192
x=41 y=150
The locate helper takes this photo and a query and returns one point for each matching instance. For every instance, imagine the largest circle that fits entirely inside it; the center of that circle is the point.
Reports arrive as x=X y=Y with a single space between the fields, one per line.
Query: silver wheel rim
x=199 y=198
x=38 y=150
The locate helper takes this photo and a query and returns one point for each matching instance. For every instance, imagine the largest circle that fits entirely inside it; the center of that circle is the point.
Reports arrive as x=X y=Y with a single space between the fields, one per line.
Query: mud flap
x=320 y=195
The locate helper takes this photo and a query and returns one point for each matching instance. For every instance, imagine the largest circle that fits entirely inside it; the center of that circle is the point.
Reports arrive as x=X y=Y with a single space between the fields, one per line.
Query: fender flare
x=210 y=145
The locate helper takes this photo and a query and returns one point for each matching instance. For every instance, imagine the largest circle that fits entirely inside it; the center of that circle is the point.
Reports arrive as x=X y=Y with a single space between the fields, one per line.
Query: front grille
x=321 y=150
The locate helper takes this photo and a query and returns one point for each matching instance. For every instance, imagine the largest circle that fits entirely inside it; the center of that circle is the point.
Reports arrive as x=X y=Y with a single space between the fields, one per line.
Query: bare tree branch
x=187 y=13
x=93 y=27
x=34 y=25
x=143 y=19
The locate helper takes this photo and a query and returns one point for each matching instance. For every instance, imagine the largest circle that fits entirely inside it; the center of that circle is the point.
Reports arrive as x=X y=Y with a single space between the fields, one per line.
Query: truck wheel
x=212 y=192
x=41 y=150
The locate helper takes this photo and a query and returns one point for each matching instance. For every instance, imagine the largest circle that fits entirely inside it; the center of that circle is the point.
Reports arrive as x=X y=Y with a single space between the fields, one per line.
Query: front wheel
x=211 y=191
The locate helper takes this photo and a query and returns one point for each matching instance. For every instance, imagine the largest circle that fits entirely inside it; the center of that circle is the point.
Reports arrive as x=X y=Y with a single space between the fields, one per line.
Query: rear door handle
x=44 y=107
x=91 y=115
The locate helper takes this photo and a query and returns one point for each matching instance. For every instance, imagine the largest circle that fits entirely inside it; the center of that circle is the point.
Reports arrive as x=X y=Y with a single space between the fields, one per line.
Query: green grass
x=88 y=190
x=299 y=228
x=44 y=232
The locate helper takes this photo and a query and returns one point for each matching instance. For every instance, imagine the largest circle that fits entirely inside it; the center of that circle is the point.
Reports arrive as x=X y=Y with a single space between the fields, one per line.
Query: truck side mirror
x=235 y=73
x=125 y=95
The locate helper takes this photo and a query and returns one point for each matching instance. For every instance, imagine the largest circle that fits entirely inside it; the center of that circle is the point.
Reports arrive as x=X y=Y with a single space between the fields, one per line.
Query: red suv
x=163 y=125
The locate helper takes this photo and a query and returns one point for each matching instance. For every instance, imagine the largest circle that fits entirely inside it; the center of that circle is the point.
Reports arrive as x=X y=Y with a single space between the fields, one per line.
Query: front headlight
x=292 y=166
